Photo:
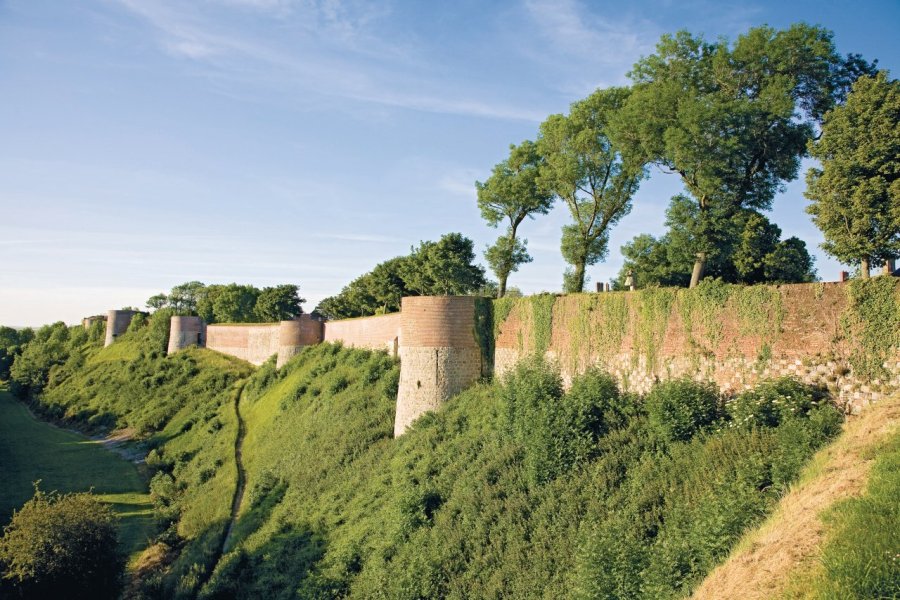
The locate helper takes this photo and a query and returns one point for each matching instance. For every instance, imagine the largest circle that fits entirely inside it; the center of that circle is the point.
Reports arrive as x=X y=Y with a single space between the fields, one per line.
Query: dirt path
x=241 y=474
x=761 y=565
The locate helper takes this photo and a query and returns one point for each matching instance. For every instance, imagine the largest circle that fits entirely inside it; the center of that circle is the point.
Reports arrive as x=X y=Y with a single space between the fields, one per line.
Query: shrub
x=771 y=403
x=62 y=546
x=678 y=409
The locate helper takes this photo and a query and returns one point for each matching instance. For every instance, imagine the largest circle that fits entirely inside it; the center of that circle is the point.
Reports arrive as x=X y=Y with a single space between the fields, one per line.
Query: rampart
x=381 y=332
x=732 y=335
x=837 y=335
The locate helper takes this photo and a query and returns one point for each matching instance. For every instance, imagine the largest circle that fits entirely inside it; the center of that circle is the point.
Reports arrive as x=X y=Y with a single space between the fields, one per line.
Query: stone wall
x=184 y=332
x=734 y=336
x=253 y=342
x=294 y=335
x=381 y=332
x=117 y=322
x=439 y=354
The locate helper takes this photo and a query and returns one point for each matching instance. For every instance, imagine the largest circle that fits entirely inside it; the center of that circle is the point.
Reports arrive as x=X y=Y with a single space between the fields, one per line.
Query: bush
x=772 y=402
x=678 y=409
x=61 y=546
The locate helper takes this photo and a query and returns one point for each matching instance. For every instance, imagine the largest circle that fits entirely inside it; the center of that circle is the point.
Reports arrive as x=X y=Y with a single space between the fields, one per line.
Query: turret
x=186 y=331
x=439 y=354
x=294 y=335
x=117 y=322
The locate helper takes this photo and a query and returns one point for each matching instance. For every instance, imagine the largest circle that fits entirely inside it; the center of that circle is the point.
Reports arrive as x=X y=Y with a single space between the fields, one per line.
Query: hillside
x=515 y=489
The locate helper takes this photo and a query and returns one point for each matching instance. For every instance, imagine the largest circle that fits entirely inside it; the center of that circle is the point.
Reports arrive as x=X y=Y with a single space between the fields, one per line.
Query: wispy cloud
x=336 y=55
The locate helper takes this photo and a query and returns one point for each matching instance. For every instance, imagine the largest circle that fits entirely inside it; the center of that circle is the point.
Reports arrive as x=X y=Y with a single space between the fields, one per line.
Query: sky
x=144 y=143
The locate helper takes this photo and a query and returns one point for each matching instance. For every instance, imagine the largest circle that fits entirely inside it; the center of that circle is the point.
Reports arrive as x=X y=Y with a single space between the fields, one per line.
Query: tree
x=733 y=122
x=445 y=267
x=61 y=546
x=183 y=298
x=279 y=303
x=158 y=301
x=591 y=175
x=856 y=193
x=512 y=192
x=749 y=251
x=235 y=303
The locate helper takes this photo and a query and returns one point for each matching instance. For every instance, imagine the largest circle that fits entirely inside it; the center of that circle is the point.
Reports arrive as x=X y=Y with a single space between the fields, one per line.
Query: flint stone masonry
x=117 y=322
x=439 y=354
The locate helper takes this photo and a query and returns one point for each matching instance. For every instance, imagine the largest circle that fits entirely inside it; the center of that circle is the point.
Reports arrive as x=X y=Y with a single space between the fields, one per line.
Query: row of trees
x=434 y=268
x=231 y=303
x=731 y=120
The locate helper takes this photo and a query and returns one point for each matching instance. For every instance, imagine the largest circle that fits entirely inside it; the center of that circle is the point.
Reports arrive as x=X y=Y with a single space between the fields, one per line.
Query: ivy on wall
x=873 y=316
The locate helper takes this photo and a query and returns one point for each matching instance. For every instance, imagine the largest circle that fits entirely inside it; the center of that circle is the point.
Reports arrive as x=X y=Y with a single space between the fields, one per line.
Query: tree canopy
x=591 y=174
x=434 y=268
x=513 y=193
x=231 y=303
x=733 y=120
x=61 y=546
x=856 y=193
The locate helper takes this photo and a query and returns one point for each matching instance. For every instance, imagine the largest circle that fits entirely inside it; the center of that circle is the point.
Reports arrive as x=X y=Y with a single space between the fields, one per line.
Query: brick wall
x=381 y=332
x=797 y=330
x=254 y=343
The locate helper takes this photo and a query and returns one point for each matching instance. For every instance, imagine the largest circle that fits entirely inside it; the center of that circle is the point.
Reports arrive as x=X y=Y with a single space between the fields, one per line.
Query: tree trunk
x=501 y=288
x=699 y=268
x=864 y=268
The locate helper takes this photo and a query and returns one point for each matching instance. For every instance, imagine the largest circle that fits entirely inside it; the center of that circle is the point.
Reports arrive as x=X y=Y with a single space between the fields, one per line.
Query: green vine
x=702 y=309
x=653 y=314
x=873 y=317
x=502 y=308
x=484 y=333
x=542 y=321
x=760 y=310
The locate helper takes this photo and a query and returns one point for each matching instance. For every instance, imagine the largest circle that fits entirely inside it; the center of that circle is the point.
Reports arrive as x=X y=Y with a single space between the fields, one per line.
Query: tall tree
x=856 y=193
x=591 y=174
x=734 y=121
x=512 y=193
x=279 y=303
x=445 y=267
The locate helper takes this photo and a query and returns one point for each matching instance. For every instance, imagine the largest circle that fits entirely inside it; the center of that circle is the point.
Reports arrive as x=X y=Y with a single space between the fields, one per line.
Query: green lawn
x=67 y=462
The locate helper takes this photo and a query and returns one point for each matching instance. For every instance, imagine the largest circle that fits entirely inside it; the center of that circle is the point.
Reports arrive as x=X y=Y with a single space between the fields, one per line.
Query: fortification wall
x=184 y=332
x=440 y=355
x=117 y=322
x=253 y=342
x=734 y=336
x=294 y=335
x=380 y=332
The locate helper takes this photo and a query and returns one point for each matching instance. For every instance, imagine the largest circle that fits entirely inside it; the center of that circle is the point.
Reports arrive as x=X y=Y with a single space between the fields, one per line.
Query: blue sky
x=146 y=143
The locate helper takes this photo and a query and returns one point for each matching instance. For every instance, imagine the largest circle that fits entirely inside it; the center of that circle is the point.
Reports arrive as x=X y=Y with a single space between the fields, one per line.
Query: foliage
x=771 y=403
x=860 y=555
x=512 y=192
x=231 y=303
x=733 y=120
x=748 y=249
x=873 y=317
x=542 y=321
x=434 y=268
x=12 y=342
x=443 y=268
x=592 y=174
x=856 y=193
x=679 y=409
x=279 y=303
x=61 y=546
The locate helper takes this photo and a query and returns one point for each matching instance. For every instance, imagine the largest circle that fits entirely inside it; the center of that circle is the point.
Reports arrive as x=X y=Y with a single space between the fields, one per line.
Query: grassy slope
x=68 y=462
x=337 y=508
x=782 y=556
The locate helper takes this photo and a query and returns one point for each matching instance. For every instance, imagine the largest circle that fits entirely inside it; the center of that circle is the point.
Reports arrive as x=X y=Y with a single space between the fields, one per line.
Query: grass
x=32 y=450
x=782 y=557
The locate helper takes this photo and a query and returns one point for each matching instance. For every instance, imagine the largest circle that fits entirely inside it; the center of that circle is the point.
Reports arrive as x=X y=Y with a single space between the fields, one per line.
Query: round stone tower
x=294 y=335
x=184 y=332
x=439 y=354
x=117 y=322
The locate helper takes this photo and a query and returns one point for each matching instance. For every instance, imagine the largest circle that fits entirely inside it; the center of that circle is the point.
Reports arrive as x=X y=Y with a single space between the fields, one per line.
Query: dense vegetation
x=433 y=269
x=61 y=546
x=231 y=303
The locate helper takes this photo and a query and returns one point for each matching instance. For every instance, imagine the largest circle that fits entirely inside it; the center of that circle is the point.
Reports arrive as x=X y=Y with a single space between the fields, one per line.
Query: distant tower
x=117 y=322
x=184 y=332
x=294 y=335
x=439 y=354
